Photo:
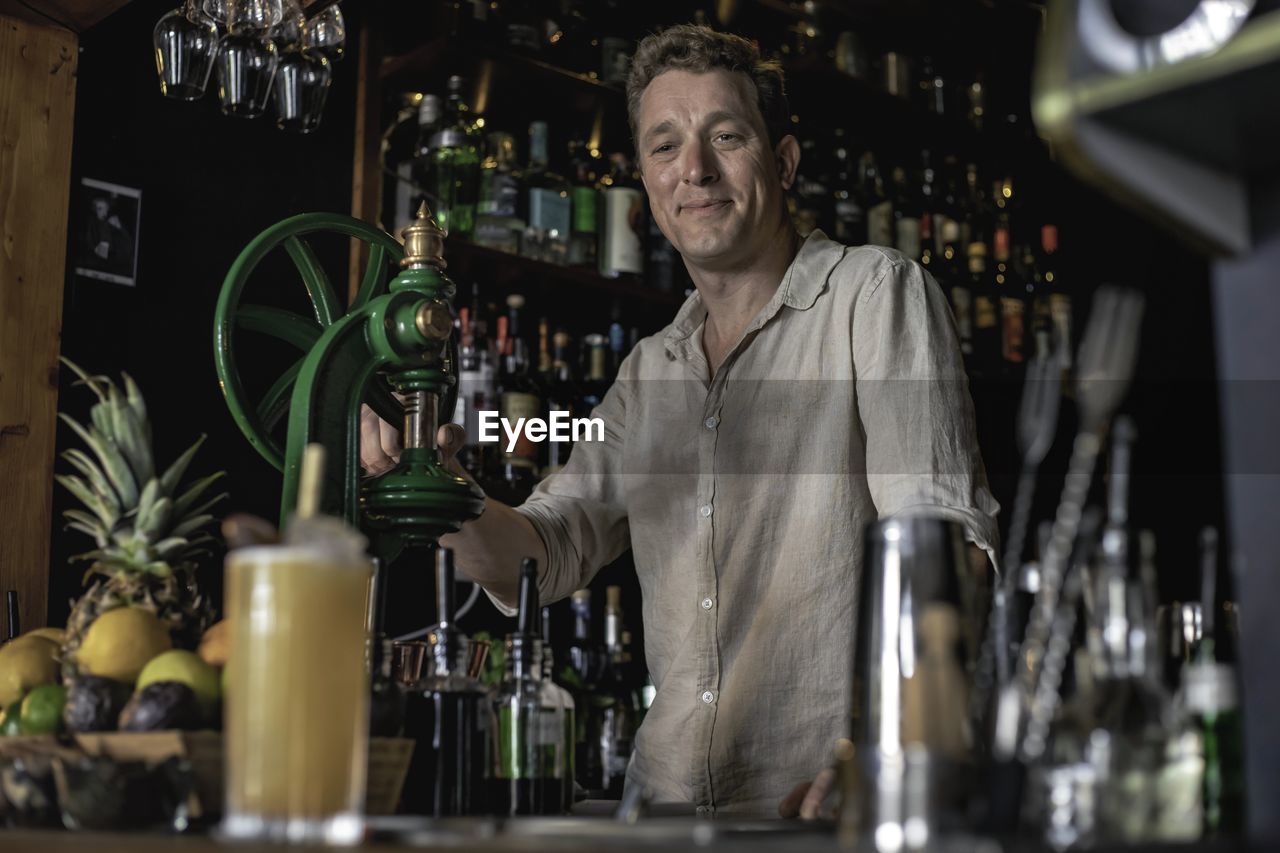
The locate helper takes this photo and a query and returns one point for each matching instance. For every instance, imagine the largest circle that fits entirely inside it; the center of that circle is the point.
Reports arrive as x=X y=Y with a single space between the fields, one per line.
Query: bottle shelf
x=577 y=292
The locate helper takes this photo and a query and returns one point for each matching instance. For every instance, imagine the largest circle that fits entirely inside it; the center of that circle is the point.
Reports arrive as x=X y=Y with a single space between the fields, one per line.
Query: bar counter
x=570 y=834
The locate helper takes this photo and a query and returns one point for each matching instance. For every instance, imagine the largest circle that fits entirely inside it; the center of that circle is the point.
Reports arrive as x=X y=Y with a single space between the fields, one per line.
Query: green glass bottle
x=455 y=166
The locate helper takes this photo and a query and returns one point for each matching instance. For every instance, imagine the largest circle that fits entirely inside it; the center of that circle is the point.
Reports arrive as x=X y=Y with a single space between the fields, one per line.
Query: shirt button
x=705 y=509
x=711 y=422
x=708 y=697
x=707 y=603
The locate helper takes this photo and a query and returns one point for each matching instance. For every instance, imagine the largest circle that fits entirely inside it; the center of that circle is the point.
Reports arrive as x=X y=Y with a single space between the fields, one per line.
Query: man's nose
x=699 y=166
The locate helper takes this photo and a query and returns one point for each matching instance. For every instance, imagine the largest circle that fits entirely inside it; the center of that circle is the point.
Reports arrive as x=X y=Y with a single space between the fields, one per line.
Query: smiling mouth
x=705 y=206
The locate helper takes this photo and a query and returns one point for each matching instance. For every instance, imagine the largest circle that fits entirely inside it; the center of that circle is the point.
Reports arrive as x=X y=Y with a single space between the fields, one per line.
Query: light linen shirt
x=744 y=497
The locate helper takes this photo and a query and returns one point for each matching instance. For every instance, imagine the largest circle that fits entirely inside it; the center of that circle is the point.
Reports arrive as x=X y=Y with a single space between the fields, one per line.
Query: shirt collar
x=802 y=283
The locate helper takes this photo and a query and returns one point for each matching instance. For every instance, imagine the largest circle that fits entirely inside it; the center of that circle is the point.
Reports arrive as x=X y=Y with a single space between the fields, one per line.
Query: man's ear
x=787 y=156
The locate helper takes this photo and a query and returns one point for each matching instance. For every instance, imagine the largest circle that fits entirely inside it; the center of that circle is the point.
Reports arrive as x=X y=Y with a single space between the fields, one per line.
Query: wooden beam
x=75 y=15
x=37 y=109
x=366 y=177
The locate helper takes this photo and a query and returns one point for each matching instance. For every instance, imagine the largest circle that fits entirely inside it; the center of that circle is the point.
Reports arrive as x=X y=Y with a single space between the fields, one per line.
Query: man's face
x=100 y=208
x=714 y=184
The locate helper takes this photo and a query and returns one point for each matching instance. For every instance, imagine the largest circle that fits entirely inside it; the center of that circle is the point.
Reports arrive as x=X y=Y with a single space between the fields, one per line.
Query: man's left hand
x=809 y=800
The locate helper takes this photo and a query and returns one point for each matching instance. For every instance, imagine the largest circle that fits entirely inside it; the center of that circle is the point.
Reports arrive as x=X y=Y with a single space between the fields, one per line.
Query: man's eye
x=663 y=148
x=727 y=137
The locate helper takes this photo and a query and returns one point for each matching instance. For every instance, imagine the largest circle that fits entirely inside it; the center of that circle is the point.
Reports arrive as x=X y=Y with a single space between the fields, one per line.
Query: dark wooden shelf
x=575 y=297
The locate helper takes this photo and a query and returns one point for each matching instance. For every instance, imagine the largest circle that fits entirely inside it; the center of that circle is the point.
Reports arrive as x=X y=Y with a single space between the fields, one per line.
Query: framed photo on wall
x=105 y=240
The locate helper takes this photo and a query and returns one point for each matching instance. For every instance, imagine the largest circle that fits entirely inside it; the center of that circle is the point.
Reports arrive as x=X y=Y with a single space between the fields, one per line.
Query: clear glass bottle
x=498 y=225
x=449 y=716
x=529 y=777
x=548 y=213
x=622 y=220
x=455 y=166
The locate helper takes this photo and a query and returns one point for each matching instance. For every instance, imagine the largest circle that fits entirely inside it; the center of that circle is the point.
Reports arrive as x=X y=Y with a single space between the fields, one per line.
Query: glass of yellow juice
x=297 y=694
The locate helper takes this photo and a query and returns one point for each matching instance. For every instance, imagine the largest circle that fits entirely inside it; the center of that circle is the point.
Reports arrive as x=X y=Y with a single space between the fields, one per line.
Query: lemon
x=186 y=668
x=11 y=720
x=120 y=642
x=215 y=645
x=25 y=663
x=54 y=634
x=41 y=712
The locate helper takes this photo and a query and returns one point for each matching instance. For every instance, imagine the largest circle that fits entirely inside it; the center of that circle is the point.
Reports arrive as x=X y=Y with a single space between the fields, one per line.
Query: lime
x=26 y=662
x=120 y=642
x=9 y=719
x=186 y=668
x=42 y=710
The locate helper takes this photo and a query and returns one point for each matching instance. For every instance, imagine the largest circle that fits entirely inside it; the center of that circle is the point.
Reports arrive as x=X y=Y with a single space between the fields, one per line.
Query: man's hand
x=380 y=445
x=808 y=800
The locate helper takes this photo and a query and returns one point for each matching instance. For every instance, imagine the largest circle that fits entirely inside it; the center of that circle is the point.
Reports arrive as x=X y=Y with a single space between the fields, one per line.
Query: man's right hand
x=380 y=445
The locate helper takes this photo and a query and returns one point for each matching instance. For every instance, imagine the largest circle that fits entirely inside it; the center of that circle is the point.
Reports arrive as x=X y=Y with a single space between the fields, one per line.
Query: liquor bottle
x=544 y=353
x=1011 y=306
x=1058 y=298
x=615 y=46
x=958 y=283
x=529 y=770
x=1037 y=325
x=548 y=213
x=387 y=702
x=519 y=397
x=564 y=699
x=498 y=225
x=455 y=166
x=932 y=86
x=812 y=191
x=582 y=676
x=620 y=706
x=977 y=226
x=663 y=265
x=986 y=313
x=595 y=381
x=571 y=41
x=477 y=390
x=449 y=716
x=522 y=27
x=850 y=218
x=621 y=221
x=949 y=206
x=928 y=205
x=562 y=396
x=430 y=112
x=584 y=230
x=617 y=347
x=879 y=207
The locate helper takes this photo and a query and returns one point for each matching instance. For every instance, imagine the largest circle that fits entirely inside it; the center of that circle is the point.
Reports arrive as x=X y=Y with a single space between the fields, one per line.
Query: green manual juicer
x=395 y=337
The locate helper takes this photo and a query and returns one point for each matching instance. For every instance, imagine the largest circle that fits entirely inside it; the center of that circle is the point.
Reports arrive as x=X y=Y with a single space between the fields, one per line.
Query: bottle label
x=584 y=210
x=909 y=237
x=549 y=211
x=880 y=224
x=1060 y=311
x=984 y=312
x=475 y=393
x=623 y=219
x=1011 y=344
x=516 y=405
x=499 y=194
x=962 y=305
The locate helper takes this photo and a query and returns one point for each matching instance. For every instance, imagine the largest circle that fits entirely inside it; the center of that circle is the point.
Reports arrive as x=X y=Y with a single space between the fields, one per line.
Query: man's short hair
x=692 y=47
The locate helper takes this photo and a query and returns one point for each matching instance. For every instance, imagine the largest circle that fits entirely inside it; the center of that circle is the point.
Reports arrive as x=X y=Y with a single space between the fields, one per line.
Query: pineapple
x=148 y=531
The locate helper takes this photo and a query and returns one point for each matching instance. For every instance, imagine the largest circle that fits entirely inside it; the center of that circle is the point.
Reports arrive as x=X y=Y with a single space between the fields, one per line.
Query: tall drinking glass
x=297 y=700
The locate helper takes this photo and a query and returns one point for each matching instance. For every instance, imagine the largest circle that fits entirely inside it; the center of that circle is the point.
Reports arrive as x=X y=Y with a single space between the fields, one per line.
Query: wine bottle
x=622 y=220
x=548 y=211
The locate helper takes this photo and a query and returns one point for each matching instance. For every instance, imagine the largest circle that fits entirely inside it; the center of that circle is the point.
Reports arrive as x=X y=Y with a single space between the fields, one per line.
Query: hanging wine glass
x=186 y=42
x=326 y=34
x=247 y=57
x=302 y=78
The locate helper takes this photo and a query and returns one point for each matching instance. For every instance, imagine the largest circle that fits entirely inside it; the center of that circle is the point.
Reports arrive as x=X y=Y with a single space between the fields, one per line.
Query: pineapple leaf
x=170 y=478
x=84 y=528
x=115 y=466
x=192 y=524
x=96 y=479
x=139 y=406
x=147 y=503
x=158 y=521
x=100 y=416
x=192 y=494
x=166 y=548
x=128 y=436
x=85 y=494
x=204 y=507
x=95 y=383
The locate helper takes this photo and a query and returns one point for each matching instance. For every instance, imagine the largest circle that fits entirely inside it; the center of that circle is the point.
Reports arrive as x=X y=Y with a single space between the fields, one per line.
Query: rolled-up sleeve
x=913 y=401
x=579 y=511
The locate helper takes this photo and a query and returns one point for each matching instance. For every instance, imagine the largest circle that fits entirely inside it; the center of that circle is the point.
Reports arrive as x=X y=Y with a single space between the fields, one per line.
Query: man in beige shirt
x=805 y=390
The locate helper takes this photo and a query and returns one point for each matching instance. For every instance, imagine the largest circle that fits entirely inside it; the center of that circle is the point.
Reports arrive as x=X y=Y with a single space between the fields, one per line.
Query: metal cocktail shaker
x=911 y=764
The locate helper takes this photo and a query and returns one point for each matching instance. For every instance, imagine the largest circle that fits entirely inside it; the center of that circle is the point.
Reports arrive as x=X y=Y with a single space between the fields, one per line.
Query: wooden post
x=366 y=176
x=37 y=107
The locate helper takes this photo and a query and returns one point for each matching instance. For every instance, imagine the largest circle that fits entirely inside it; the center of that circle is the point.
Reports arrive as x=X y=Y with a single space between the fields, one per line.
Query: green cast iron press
x=393 y=348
